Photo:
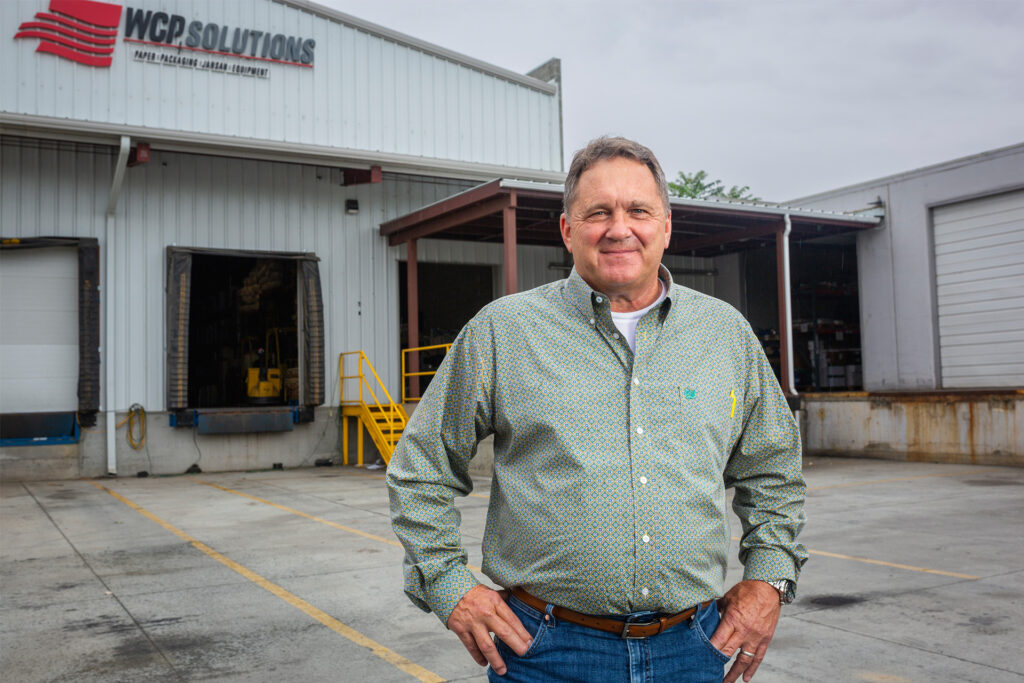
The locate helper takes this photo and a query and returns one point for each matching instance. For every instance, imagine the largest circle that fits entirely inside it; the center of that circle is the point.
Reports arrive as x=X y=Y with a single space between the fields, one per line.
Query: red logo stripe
x=46 y=36
x=75 y=25
x=68 y=32
x=61 y=51
x=101 y=14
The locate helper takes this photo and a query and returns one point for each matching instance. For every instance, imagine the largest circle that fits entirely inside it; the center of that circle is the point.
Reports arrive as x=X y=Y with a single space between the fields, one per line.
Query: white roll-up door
x=38 y=330
x=979 y=272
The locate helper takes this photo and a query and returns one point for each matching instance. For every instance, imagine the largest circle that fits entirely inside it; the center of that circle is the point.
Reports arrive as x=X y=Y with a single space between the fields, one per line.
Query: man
x=622 y=407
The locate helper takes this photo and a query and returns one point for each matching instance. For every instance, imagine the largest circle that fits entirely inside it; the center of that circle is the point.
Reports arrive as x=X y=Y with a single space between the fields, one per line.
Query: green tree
x=698 y=186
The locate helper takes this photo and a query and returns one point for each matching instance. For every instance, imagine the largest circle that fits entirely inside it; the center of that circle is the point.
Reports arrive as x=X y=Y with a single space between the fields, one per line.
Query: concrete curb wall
x=982 y=428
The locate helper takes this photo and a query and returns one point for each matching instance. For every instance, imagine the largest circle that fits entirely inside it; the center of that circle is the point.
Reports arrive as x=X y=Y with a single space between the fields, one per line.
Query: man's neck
x=631 y=301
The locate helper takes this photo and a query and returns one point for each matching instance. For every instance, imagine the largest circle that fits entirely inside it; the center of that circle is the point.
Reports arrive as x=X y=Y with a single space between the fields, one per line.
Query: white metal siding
x=201 y=201
x=979 y=271
x=365 y=92
x=38 y=330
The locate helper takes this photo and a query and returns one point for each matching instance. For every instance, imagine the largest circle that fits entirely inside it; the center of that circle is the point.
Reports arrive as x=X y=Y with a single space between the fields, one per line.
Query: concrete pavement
x=916 y=574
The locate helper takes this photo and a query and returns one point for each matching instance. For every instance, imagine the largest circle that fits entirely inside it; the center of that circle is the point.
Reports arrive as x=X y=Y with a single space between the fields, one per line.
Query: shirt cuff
x=769 y=564
x=443 y=593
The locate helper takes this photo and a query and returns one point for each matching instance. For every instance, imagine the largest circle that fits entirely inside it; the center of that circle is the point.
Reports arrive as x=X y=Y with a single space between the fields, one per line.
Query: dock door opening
x=245 y=329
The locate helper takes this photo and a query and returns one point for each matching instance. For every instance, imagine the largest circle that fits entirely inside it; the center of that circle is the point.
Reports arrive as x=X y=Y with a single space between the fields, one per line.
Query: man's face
x=617 y=228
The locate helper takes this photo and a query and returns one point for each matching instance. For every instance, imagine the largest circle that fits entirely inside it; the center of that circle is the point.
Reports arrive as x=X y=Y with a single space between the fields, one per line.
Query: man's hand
x=750 y=612
x=481 y=612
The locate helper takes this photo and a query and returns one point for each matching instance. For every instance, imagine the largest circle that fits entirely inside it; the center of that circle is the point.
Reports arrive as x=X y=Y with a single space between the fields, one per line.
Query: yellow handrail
x=390 y=412
x=427 y=373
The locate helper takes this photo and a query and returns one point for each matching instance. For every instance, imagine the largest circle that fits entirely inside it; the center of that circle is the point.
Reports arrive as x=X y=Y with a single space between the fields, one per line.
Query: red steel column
x=508 y=215
x=412 y=307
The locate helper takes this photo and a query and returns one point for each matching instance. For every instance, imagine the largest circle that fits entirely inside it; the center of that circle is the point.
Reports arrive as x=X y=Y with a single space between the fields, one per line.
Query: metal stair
x=370 y=405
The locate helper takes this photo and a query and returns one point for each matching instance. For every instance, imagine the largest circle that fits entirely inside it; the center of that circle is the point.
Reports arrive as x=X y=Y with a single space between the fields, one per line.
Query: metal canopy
x=699 y=227
x=513 y=212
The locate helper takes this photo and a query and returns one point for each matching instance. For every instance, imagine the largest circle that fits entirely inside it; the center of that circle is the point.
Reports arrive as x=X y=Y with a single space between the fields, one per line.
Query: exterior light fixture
x=352 y=206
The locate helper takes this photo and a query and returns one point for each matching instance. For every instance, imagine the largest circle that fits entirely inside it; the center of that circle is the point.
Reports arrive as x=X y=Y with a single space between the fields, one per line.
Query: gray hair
x=606 y=147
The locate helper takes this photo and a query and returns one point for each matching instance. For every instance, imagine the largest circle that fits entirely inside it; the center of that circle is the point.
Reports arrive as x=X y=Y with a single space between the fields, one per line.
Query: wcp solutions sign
x=85 y=31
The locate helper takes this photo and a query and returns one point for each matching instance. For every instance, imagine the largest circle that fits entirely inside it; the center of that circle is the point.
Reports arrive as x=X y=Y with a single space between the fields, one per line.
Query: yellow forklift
x=265 y=379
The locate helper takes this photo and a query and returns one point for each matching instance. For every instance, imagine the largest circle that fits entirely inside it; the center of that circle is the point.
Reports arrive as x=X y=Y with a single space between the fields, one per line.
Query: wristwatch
x=786 y=588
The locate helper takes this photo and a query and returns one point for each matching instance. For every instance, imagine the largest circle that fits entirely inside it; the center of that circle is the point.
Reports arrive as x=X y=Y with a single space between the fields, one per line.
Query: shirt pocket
x=693 y=424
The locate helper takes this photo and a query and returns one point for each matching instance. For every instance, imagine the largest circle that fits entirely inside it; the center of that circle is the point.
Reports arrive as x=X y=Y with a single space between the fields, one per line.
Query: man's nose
x=619 y=229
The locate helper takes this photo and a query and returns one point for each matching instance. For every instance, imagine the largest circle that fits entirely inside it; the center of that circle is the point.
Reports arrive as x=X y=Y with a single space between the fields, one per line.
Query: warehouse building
x=941 y=291
x=223 y=224
x=191 y=192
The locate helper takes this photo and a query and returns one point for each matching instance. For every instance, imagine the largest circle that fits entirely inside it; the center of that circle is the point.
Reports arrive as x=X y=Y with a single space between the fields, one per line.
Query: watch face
x=787 y=590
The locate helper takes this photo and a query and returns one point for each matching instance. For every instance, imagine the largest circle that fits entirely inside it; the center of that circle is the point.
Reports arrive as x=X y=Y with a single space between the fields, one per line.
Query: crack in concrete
x=109 y=590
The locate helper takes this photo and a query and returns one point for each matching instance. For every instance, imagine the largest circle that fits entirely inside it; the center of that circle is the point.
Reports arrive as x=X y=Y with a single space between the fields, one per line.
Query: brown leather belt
x=619 y=628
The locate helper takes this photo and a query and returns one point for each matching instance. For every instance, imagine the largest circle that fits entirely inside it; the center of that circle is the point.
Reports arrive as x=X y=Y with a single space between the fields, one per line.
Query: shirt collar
x=584 y=297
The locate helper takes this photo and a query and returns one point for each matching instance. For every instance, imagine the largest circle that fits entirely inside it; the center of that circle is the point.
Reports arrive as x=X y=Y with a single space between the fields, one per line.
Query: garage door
x=979 y=271
x=38 y=330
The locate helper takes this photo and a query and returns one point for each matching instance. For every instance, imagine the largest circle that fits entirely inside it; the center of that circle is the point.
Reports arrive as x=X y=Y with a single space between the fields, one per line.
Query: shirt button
x=643 y=480
x=615 y=335
x=640 y=430
x=599 y=299
x=636 y=380
x=646 y=538
x=592 y=321
x=644 y=592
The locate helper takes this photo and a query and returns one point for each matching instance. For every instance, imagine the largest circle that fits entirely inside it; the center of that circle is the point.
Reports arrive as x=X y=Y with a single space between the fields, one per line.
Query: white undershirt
x=626 y=321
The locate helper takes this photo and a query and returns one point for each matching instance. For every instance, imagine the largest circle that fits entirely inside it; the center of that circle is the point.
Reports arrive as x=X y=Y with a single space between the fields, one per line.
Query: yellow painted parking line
x=300 y=513
x=909 y=567
x=390 y=656
x=314 y=518
x=894 y=565
x=893 y=479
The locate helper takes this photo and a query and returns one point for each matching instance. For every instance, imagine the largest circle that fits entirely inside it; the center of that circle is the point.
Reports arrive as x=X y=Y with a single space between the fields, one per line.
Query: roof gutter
x=266 y=150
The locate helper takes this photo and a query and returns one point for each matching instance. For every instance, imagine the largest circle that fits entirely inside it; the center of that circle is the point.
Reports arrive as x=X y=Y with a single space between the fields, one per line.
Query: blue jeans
x=563 y=651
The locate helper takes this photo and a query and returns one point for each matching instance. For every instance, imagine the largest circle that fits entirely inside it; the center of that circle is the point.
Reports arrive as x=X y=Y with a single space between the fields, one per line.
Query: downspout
x=788 y=303
x=108 y=305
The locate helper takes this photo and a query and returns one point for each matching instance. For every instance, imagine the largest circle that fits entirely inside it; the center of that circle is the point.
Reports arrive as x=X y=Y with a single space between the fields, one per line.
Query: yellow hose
x=136 y=414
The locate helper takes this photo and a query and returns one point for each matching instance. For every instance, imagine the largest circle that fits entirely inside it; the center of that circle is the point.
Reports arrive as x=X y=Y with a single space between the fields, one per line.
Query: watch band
x=786 y=589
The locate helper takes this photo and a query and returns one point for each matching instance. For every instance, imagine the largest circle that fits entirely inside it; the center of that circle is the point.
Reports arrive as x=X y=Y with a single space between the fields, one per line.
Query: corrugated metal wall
x=199 y=201
x=365 y=92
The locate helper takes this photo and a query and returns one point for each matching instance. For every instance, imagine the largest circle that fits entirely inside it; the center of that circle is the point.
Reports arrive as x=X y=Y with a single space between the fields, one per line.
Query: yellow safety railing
x=426 y=373
x=383 y=419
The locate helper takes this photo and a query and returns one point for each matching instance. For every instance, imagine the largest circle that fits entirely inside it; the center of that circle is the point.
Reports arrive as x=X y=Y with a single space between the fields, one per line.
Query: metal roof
x=421 y=45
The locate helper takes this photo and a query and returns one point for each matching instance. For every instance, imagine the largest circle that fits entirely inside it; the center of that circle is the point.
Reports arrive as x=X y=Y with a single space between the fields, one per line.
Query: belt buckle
x=625 y=629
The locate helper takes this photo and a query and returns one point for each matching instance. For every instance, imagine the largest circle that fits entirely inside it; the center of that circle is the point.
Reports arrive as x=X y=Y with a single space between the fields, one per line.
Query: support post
x=359 y=443
x=412 y=307
x=508 y=215
x=344 y=439
x=786 y=375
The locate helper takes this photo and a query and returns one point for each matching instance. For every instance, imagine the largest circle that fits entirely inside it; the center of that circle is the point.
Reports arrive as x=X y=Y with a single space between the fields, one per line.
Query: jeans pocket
x=705 y=639
x=534 y=623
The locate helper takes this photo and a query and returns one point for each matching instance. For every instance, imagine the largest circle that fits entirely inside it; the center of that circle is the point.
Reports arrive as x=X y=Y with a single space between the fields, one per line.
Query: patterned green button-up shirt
x=610 y=467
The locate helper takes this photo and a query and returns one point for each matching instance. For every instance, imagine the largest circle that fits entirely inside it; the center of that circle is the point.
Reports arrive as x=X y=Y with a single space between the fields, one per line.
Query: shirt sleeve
x=430 y=467
x=765 y=468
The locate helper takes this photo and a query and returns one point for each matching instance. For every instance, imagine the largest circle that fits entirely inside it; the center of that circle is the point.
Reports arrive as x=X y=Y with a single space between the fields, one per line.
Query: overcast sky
x=788 y=97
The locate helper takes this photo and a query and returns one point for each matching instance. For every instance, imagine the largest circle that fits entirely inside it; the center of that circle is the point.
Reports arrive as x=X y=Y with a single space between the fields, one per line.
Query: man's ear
x=668 y=229
x=563 y=227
